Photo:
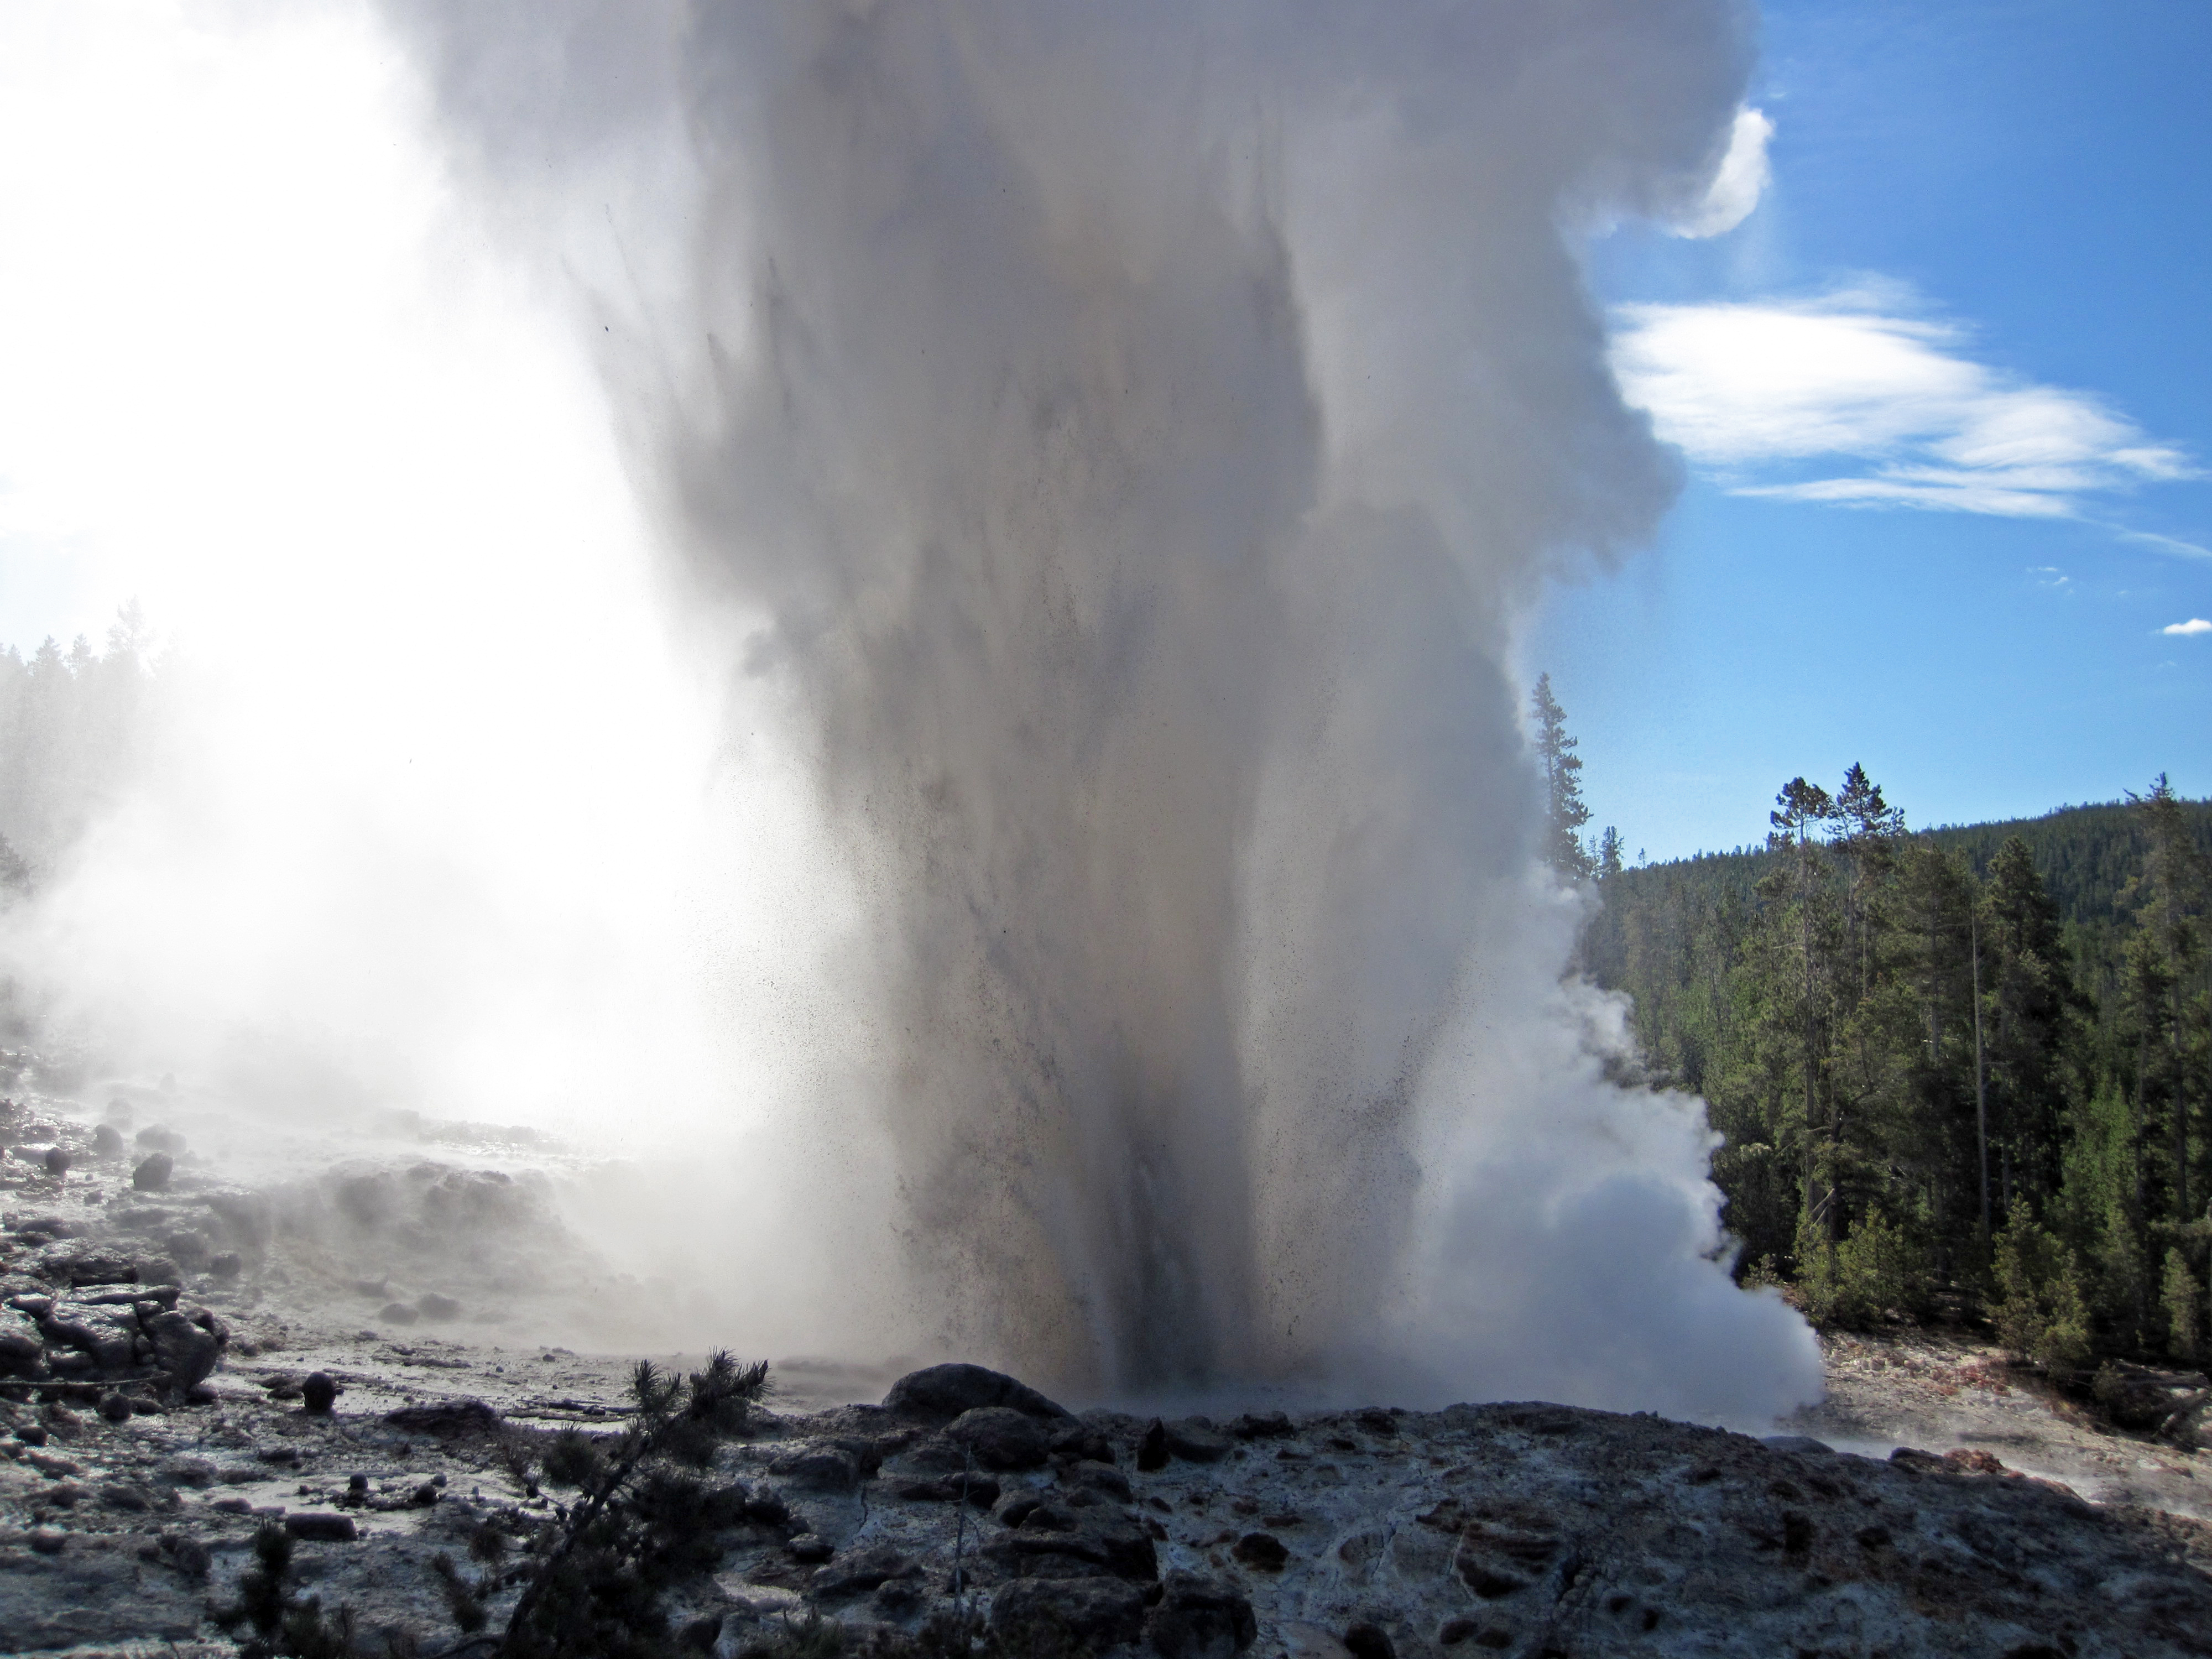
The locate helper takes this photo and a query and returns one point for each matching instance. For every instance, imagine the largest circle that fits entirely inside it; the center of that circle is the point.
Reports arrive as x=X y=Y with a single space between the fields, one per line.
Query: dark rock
x=398 y=1313
x=438 y=1308
x=115 y=1407
x=862 y=1570
x=76 y=1266
x=31 y=1434
x=22 y=1350
x=1084 y=1443
x=1098 y=1613
x=1262 y=1550
x=185 y=1348
x=322 y=1526
x=809 y=1547
x=1153 y=1448
x=186 y=1553
x=1070 y=1544
x=1200 y=1619
x=153 y=1174
x=226 y=1265
x=897 y=1599
x=818 y=1468
x=941 y=1392
x=1261 y=1425
x=700 y=1634
x=47 y=1540
x=1017 y=1508
x=766 y=1509
x=106 y=1141
x=1000 y=1438
x=106 y=1336
x=195 y=1471
x=57 y=1161
x=1098 y=1478
x=319 y=1393
x=1194 y=1439
x=129 y=1296
x=1369 y=1642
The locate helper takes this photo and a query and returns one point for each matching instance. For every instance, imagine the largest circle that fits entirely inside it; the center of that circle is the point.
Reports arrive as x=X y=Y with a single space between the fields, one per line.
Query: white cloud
x=1754 y=390
x=2194 y=625
x=1738 y=185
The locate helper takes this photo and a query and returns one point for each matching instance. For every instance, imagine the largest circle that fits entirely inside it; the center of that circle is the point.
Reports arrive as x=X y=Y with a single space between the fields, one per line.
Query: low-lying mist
x=969 y=728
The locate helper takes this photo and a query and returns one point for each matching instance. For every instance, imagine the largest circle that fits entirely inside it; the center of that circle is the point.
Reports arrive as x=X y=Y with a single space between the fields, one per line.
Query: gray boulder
x=1054 y=1543
x=941 y=1392
x=185 y=1348
x=22 y=1351
x=1000 y=1438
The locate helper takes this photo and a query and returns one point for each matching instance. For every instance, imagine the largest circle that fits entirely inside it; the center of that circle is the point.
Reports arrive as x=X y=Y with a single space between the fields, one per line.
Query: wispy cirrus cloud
x=1885 y=409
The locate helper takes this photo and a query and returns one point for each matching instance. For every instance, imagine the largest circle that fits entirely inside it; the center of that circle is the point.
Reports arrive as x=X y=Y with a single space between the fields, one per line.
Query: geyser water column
x=1136 y=430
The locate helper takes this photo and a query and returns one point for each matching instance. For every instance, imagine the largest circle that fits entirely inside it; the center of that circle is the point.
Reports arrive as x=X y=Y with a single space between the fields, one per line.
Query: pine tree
x=2163 y=989
x=1563 y=812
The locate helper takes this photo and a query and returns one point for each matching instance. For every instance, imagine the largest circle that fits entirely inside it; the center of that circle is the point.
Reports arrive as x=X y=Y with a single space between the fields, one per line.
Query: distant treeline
x=72 y=725
x=1970 y=1066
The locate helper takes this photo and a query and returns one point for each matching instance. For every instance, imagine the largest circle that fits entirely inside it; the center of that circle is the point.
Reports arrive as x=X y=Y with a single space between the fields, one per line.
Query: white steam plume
x=1134 y=432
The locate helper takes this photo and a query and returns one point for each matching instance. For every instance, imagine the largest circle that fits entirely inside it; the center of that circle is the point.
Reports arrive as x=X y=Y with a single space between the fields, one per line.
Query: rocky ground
x=167 y=1333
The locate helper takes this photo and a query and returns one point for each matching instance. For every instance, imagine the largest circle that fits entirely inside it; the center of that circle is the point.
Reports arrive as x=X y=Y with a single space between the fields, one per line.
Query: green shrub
x=1871 y=1274
x=2039 y=1311
x=2184 y=1308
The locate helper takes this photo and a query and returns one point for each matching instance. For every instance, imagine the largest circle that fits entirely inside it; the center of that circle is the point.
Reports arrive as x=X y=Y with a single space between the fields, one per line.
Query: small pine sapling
x=641 y=1519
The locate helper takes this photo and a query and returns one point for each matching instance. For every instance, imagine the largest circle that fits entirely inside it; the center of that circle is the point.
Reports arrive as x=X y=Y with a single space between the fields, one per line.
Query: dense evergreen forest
x=1964 y=1070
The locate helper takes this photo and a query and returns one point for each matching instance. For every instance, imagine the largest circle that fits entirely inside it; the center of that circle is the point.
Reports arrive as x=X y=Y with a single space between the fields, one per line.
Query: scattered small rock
x=438 y=1308
x=1369 y=1642
x=106 y=1142
x=809 y=1547
x=319 y=1394
x=1262 y=1550
x=153 y=1174
x=57 y=1161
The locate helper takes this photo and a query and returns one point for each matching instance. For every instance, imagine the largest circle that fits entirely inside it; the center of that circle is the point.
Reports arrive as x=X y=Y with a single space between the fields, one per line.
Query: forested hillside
x=1968 y=1065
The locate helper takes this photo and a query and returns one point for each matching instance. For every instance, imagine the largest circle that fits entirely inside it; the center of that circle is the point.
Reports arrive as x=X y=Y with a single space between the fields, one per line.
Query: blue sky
x=1961 y=347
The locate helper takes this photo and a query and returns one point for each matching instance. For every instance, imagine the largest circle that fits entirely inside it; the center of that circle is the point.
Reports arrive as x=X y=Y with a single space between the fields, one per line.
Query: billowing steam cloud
x=1132 y=433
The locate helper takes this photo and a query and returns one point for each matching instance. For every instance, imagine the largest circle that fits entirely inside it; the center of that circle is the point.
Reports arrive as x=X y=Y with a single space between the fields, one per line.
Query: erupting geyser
x=1129 y=436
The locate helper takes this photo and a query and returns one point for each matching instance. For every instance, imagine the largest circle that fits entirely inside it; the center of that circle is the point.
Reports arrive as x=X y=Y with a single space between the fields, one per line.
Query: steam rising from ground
x=1114 y=445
